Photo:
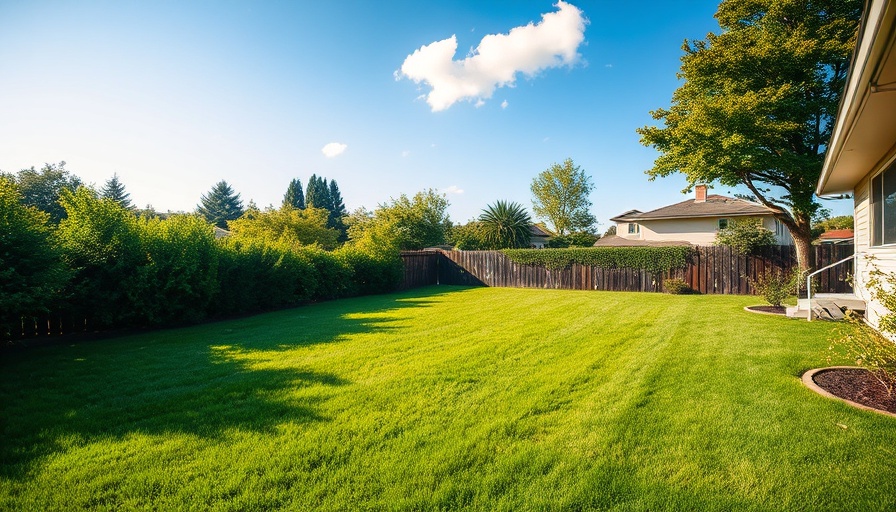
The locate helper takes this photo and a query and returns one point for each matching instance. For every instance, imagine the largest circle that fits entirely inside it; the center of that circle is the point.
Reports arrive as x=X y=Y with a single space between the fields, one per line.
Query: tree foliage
x=404 y=224
x=114 y=190
x=745 y=236
x=560 y=196
x=42 y=189
x=577 y=239
x=838 y=222
x=100 y=242
x=31 y=270
x=757 y=103
x=220 y=205
x=288 y=225
x=505 y=225
x=294 y=197
x=468 y=237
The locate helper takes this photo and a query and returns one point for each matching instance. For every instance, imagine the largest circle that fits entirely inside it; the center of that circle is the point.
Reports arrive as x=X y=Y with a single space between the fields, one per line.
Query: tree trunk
x=805 y=255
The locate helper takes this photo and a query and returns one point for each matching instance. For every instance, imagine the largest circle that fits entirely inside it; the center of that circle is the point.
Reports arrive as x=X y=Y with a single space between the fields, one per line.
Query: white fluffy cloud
x=453 y=189
x=496 y=61
x=334 y=149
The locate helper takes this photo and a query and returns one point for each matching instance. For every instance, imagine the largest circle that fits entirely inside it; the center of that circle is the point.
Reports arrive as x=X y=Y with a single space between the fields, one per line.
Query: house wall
x=884 y=257
x=698 y=231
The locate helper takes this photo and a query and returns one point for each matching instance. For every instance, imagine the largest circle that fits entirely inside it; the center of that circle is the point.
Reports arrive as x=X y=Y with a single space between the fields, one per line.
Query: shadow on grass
x=203 y=380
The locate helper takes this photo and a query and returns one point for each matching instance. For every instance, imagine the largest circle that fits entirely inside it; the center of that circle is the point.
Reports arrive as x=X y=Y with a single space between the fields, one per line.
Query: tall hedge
x=652 y=259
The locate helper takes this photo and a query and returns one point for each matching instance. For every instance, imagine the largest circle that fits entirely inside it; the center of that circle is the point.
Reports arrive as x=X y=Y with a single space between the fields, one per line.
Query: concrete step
x=831 y=309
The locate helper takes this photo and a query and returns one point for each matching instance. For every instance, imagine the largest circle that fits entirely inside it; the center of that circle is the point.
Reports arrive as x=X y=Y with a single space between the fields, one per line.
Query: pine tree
x=220 y=205
x=114 y=190
x=317 y=193
x=294 y=196
x=337 y=212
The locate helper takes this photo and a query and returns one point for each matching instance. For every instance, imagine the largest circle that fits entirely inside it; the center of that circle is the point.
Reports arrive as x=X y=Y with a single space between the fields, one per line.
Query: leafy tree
x=288 y=225
x=220 y=205
x=838 y=222
x=41 y=189
x=505 y=225
x=577 y=239
x=745 y=236
x=114 y=190
x=610 y=230
x=404 y=224
x=294 y=196
x=468 y=237
x=560 y=196
x=31 y=270
x=757 y=103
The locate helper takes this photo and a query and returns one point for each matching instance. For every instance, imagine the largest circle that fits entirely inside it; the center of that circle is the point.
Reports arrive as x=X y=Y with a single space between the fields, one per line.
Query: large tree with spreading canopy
x=757 y=102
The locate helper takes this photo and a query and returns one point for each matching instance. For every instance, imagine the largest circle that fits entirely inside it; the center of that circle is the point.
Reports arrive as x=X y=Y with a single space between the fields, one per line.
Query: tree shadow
x=202 y=380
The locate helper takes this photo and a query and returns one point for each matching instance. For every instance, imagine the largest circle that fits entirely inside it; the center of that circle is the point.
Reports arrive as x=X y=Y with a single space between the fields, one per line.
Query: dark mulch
x=776 y=310
x=858 y=385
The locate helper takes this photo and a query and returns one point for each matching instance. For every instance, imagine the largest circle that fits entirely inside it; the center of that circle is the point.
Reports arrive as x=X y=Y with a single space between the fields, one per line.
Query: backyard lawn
x=446 y=398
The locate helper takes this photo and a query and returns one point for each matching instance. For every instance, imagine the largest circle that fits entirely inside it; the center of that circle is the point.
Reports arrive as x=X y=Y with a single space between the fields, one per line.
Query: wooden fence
x=712 y=269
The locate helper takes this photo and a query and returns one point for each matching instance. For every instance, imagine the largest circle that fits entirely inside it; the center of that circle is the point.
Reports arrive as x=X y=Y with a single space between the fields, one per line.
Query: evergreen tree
x=317 y=194
x=114 y=190
x=337 y=212
x=220 y=205
x=505 y=225
x=294 y=196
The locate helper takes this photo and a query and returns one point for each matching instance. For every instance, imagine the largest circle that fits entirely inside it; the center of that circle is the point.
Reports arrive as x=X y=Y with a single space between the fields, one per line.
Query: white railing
x=809 y=281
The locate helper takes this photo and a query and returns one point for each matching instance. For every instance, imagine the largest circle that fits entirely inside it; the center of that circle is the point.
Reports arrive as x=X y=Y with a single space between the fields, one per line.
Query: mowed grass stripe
x=445 y=398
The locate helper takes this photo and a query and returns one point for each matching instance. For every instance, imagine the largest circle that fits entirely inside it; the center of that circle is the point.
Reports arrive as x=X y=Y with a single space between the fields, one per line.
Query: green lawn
x=446 y=398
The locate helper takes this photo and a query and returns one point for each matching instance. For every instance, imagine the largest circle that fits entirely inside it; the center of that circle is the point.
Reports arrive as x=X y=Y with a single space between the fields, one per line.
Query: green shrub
x=652 y=259
x=578 y=239
x=745 y=236
x=31 y=270
x=859 y=343
x=774 y=286
x=180 y=279
x=371 y=273
x=677 y=286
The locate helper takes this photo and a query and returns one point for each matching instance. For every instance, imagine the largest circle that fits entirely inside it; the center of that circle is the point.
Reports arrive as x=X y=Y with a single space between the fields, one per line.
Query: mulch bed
x=772 y=310
x=858 y=385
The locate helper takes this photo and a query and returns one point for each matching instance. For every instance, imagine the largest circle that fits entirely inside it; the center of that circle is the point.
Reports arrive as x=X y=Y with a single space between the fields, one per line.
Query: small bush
x=677 y=286
x=774 y=286
x=857 y=342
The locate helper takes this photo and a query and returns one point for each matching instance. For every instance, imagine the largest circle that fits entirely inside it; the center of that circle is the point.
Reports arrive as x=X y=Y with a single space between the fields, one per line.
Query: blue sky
x=175 y=96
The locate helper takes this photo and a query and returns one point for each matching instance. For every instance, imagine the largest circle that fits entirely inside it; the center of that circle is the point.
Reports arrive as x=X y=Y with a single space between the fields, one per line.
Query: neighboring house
x=221 y=233
x=539 y=236
x=695 y=221
x=861 y=155
x=836 y=236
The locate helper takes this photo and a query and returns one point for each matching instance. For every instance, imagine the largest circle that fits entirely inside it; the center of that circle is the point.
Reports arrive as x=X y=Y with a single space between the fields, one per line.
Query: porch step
x=827 y=306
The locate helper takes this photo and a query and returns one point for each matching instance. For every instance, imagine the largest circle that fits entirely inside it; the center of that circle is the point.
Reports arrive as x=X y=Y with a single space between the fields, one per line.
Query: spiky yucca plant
x=505 y=225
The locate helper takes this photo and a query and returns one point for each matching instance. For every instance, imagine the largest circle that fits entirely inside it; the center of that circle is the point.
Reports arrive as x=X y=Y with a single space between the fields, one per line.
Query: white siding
x=698 y=231
x=884 y=258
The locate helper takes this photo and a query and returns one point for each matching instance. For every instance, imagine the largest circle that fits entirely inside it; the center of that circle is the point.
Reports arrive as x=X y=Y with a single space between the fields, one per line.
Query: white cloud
x=504 y=104
x=453 y=189
x=553 y=42
x=405 y=153
x=334 y=149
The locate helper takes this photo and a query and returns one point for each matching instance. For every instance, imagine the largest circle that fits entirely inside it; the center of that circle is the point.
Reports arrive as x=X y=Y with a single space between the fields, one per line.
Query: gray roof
x=536 y=230
x=714 y=206
x=618 y=241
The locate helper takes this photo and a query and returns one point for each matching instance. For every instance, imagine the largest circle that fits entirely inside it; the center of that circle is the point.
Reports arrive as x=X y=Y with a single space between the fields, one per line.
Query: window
x=883 y=207
x=723 y=223
x=779 y=228
x=633 y=228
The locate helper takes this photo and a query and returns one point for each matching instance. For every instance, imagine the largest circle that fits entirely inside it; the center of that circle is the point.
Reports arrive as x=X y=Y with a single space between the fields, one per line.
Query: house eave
x=865 y=127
